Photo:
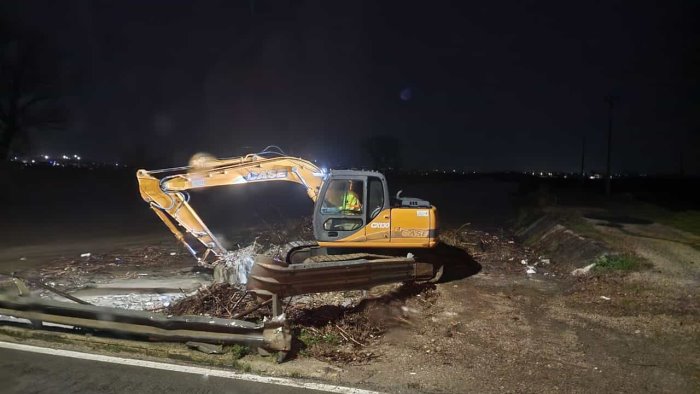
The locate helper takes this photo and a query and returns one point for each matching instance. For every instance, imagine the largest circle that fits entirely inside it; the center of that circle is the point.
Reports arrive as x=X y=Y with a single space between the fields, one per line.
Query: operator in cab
x=343 y=197
x=351 y=201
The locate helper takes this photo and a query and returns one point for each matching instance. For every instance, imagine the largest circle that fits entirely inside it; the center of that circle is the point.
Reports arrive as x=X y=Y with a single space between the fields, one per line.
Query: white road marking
x=186 y=369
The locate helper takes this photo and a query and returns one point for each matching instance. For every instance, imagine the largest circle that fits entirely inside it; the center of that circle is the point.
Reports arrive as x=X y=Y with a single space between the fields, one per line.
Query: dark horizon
x=490 y=87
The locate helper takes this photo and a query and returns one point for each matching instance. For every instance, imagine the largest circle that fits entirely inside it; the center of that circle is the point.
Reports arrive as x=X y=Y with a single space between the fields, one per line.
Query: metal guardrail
x=272 y=335
x=269 y=277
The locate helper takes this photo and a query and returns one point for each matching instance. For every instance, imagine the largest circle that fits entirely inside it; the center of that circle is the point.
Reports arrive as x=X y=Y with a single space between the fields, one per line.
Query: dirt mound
x=567 y=248
x=349 y=334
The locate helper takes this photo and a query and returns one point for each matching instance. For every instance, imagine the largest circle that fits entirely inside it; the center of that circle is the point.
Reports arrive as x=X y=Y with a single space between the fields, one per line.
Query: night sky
x=483 y=85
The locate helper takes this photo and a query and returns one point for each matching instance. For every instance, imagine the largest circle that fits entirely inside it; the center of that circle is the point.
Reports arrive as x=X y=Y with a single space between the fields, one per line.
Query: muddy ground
x=507 y=318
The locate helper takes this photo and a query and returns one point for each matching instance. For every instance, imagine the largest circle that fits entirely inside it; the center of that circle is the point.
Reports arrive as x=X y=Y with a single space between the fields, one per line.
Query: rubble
x=583 y=271
x=136 y=301
x=238 y=263
x=219 y=300
x=334 y=326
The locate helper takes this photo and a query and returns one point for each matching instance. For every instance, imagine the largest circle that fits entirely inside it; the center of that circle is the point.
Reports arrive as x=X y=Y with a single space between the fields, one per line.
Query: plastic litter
x=85 y=255
x=583 y=271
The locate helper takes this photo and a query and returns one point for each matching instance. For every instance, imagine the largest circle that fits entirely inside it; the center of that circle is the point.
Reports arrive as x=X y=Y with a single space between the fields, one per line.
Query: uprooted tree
x=29 y=99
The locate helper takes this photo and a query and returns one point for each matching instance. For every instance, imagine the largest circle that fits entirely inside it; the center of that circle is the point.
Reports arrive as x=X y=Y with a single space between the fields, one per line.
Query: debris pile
x=492 y=248
x=239 y=263
x=339 y=326
x=135 y=301
x=222 y=300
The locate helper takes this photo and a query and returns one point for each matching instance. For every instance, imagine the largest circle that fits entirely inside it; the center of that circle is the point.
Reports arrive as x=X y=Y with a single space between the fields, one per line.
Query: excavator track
x=297 y=251
x=325 y=258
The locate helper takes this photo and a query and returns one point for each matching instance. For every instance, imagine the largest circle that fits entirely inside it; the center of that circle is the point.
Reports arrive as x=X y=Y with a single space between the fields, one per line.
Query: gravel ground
x=506 y=319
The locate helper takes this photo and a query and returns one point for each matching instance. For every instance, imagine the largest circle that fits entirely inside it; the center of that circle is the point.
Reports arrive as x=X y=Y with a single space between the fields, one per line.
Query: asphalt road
x=26 y=372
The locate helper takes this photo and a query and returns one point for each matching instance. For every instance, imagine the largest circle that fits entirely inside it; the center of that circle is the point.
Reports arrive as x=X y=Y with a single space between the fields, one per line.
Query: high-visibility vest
x=351 y=202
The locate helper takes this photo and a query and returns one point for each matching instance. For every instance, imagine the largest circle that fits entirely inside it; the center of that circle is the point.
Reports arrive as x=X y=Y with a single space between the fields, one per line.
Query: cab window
x=343 y=197
x=375 y=197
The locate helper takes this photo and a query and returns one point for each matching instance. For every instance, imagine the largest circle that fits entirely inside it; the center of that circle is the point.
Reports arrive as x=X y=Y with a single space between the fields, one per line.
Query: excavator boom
x=166 y=190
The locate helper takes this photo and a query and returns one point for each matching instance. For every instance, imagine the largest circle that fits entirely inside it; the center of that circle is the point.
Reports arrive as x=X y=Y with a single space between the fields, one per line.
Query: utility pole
x=583 y=157
x=611 y=101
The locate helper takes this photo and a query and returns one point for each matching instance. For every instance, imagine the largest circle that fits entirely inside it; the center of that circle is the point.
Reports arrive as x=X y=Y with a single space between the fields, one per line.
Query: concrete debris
x=530 y=270
x=583 y=271
x=207 y=348
x=136 y=301
x=238 y=263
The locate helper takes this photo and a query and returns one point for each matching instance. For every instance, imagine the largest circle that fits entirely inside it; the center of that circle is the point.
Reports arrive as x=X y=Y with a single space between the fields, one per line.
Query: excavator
x=357 y=226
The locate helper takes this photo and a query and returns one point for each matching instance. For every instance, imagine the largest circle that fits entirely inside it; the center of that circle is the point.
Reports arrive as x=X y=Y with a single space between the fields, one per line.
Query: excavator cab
x=354 y=210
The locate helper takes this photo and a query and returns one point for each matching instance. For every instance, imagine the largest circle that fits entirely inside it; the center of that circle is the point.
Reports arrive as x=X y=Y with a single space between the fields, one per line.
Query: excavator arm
x=166 y=190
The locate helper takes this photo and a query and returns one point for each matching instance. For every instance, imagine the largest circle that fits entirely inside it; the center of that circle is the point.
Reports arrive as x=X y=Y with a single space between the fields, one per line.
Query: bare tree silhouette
x=29 y=98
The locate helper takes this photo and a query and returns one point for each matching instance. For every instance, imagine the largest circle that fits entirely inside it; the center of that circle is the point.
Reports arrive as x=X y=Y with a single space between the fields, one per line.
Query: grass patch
x=241 y=366
x=621 y=262
x=313 y=342
x=309 y=338
x=179 y=356
x=688 y=221
x=576 y=223
x=573 y=220
x=237 y=351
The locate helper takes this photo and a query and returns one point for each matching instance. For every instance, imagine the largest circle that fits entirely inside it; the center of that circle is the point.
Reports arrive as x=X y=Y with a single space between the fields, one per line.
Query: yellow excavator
x=353 y=218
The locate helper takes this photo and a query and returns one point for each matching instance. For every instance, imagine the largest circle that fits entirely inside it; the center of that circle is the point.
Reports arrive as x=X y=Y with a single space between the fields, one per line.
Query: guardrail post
x=276 y=307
